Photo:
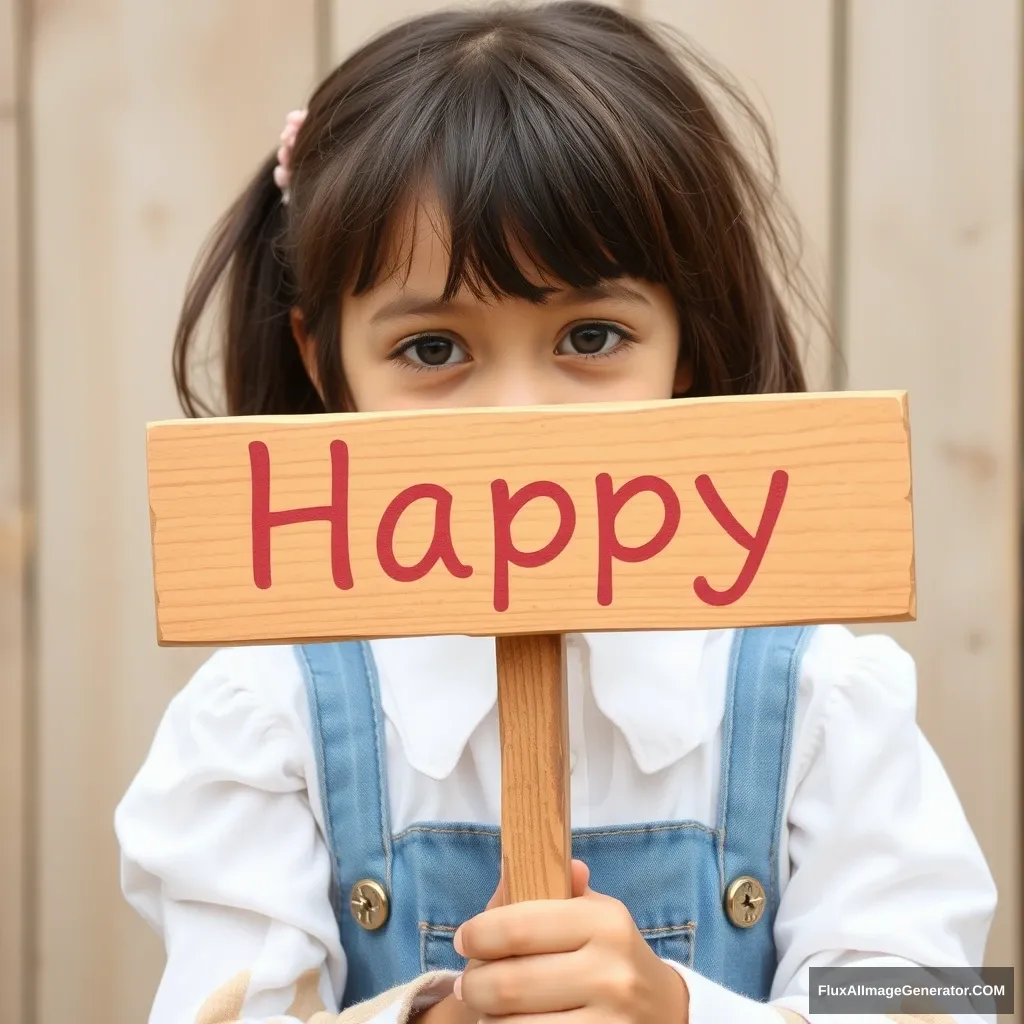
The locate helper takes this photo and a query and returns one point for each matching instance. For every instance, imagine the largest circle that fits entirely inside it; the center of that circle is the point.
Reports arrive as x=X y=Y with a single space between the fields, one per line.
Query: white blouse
x=222 y=833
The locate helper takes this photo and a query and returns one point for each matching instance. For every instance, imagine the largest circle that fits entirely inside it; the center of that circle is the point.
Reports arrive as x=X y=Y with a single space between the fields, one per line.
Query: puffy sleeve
x=883 y=868
x=223 y=853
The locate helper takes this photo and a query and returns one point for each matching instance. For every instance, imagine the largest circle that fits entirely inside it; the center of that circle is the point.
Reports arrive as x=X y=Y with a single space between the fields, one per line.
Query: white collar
x=436 y=691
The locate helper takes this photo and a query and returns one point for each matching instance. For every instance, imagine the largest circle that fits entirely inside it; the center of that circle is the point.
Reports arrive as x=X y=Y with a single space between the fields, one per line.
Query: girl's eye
x=431 y=352
x=592 y=340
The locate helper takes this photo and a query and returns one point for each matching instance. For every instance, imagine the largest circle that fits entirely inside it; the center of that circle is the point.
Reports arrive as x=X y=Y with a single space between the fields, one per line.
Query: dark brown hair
x=569 y=129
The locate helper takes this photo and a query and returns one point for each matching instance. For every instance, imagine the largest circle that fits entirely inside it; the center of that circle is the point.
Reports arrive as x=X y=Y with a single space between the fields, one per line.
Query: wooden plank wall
x=147 y=120
x=929 y=279
x=14 y=783
x=897 y=129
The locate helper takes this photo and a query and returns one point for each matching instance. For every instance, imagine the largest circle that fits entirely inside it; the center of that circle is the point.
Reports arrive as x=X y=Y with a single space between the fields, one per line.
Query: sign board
x=703 y=513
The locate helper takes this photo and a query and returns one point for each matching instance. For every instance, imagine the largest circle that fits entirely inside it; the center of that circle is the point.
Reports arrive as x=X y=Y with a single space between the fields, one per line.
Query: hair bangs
x=535 y=176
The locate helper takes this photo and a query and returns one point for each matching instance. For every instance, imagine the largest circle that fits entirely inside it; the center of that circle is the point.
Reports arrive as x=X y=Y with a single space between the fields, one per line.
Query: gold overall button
x=369 y=904
x=744 y=901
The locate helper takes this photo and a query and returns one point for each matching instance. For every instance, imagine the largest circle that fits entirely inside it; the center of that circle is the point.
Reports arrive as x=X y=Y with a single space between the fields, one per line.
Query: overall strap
x=757 y=735
x=348 y=736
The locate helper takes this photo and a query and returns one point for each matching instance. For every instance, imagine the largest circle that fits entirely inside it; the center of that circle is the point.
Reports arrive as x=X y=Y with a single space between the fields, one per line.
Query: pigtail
x=246 y=263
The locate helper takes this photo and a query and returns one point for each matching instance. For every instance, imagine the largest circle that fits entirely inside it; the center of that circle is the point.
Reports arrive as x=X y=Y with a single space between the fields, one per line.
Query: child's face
x=401 y=349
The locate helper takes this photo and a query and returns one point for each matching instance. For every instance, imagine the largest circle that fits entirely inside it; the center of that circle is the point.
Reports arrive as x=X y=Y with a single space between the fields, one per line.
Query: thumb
x=580 y=885
x=580 y=878
x=498 y=899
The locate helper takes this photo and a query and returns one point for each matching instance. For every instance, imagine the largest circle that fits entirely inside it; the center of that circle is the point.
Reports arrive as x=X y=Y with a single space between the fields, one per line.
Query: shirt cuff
x=711 y=1003
x=398 y=1005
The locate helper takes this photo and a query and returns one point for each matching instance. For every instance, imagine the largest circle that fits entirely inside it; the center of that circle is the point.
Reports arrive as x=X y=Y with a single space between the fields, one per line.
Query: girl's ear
x=683 y=380
x=307 y=348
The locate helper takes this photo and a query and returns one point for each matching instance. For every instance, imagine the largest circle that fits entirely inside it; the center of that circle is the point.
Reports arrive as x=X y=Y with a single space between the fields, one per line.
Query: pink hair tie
x=283 y=170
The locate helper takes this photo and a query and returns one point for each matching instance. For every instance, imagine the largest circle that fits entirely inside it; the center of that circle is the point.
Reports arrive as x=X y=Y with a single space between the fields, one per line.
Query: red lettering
x=441 y=546
x=609 y=504
x=755 y=545
x=263 y=520
x=506 y=508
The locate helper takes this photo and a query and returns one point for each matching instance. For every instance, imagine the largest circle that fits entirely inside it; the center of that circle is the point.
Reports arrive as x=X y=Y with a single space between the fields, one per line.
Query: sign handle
x=534 y=722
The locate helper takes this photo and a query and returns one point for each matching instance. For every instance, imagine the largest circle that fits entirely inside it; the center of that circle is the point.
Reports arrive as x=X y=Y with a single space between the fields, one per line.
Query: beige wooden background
x=125 y=128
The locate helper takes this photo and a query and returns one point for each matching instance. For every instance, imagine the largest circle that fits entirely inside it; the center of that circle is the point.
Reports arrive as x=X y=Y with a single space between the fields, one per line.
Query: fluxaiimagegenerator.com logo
x=911 y=990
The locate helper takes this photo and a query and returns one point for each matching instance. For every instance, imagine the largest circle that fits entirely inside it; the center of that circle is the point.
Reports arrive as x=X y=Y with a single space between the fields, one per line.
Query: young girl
x=511 y=207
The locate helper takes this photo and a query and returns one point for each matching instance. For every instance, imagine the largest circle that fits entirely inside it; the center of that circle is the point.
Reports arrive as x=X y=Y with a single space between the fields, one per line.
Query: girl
x=511 y=207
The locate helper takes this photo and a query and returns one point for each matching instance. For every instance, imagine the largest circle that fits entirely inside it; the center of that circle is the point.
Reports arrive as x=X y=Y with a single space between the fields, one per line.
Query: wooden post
x=534 y=722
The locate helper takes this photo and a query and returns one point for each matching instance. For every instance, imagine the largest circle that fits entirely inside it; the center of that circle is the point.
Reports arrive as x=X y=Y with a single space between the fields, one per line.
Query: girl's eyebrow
x=421 y=305
x=413 y=305
x=602 y=290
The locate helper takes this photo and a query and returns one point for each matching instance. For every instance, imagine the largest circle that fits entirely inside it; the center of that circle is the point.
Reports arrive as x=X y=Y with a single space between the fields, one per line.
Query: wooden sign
x=664 y=515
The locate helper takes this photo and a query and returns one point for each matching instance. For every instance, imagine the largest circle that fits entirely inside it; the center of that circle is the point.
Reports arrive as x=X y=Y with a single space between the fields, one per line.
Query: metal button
x=744 y=901
x=369 y=904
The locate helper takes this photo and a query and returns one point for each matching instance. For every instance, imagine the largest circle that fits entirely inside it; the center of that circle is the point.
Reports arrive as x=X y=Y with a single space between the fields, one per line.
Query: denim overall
x=672 y=875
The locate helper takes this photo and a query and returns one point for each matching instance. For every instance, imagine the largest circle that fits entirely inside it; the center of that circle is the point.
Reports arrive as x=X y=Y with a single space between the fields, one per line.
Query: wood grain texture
x=841 y=549
x=933 y=285
x=15 y=902
x=147 y=120
x=533 y=716
x=781 y=55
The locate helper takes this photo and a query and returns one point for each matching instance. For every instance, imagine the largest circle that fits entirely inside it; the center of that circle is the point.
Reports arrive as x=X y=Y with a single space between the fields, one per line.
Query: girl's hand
x=581 y=960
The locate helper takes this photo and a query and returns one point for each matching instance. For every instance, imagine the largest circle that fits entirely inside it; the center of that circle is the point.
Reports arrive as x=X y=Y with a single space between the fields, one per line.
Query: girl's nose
x=523 y=386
